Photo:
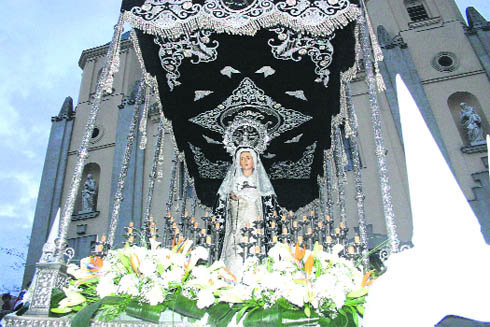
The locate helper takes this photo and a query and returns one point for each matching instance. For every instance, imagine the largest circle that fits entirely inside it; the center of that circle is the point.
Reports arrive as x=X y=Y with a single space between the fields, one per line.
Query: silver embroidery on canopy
x=248 y=97
x=294 y=139
x=197 y=46
x=199 y=94
x=266 y=70
x=210 y=140
x=228 y=71
x=269 y=155
x=300 y=94
x=293 y=46
x=206 y=168
x=300 y=169
x=180 y=17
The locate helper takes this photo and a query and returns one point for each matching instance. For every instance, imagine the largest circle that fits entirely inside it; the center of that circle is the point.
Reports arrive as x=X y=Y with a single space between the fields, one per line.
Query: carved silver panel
x=208 y=169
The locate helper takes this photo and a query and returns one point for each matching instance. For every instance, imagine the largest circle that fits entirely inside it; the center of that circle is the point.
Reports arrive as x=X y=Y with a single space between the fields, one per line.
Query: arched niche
x=454 y=103
x=94 y=170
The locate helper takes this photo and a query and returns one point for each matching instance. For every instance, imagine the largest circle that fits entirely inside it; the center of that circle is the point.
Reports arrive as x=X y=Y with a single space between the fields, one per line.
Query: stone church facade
x=443 y=59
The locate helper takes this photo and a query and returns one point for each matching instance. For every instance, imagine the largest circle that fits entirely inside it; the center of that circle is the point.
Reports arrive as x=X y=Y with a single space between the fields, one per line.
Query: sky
x=40 y=44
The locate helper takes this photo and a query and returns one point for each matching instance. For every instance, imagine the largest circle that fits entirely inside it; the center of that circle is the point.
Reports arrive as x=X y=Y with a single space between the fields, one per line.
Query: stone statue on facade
x=471 y=123
x=89 y=194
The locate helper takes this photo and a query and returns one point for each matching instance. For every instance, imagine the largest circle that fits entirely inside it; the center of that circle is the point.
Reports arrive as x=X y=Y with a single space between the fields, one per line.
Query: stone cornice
x=100 y=51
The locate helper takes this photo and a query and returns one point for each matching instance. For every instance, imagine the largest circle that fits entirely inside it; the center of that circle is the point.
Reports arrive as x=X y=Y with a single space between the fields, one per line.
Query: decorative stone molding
x=83 y=216
x=445 y=62
x=427 y=22
x=480 y=148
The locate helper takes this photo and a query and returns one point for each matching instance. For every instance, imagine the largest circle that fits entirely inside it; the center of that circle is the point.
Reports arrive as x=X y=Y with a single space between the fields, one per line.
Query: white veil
x=264 y=186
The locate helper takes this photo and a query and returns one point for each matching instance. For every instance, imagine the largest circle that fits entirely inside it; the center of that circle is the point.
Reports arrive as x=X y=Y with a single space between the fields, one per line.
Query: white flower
x=294 y=293
x=147 y=267
x=205 y=298
x=106 y=286
x=73 y=297
x=77 y=272
x=238 y=294
x=129 y=285
x=154 y=295
x=197 y=254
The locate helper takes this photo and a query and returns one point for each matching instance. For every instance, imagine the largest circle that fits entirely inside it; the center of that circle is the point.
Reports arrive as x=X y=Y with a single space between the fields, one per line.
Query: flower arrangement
x=292 y=285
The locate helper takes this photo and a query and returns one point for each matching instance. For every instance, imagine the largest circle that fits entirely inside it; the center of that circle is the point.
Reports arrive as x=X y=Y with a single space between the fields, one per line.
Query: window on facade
x=416 y=10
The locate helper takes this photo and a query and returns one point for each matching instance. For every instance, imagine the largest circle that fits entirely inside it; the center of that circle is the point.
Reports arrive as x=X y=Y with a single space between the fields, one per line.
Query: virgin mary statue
x=245 y=195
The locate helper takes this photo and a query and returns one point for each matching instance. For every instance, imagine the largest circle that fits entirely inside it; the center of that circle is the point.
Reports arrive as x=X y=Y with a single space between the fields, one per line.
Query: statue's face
x=246 y=161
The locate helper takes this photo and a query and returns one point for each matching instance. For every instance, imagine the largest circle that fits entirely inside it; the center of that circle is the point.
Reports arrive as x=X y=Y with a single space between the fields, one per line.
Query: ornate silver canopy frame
x=249 y=113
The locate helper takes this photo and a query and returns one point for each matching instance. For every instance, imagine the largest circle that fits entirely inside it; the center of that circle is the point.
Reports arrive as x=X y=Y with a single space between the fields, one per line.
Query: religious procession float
x=241 y=87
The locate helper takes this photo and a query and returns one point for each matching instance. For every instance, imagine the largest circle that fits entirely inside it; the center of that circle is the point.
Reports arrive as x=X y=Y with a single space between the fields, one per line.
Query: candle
x=208 y=240
x=295 y=224
x=207 y=214
x=247 y=225
x=283 y=218
x=177 y=231
x=150 y=219
x=351 y=249
x=304 y=218
x=100 y=247
x=290 y=213
x=172 y=219
x=130 y=230
x=131 y=239
x=186 y=213
x=329 y=239
x=300 y=239
x=103 y=238
x=310 y=231
x=320 y=224
x=259 y=231
x=274 y=239
x=312 y=213
x=169 y=214
x=357 y=240
x=284 y=230
x=203 y=231
x=213 y=219
x=257 y=249
x=342 y=224
x=131 y=224
x=181 y=239
x=217 y=225
x=274 y=214
x=337 y=230
x=273 y=224
x=328 y=218
x=193 y=219
x=259 y=218
x=196 y=224
x=245 y=239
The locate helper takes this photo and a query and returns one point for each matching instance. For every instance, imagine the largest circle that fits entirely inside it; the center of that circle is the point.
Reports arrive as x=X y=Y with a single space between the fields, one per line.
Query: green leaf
x=360 y=309
x=83 y=317
x=185 y=307
x=263 y=317
x=61 y=310
x=307 y=311
x=125 y=261
x=160 y=269
x=220 y=314
x=56 y=296
x=145 y=311
x=242 y=312
x=358 y=293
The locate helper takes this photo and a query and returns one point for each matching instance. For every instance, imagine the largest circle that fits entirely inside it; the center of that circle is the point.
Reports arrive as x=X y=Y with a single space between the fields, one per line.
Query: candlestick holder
x=101 y=247
x=245 y=245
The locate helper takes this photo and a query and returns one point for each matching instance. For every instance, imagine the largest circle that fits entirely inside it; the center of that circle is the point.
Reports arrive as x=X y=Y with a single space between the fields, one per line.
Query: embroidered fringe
x=376 y=48
x=176 y=29
x=113 y=57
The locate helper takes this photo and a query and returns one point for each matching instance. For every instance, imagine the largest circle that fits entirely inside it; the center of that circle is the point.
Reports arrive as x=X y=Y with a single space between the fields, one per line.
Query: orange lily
x=365 y=281
x=135 y=263
x=309 y=265
x=96 y=264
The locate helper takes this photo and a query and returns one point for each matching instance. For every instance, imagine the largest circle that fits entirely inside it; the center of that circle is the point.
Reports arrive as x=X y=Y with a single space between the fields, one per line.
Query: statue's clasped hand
x=234 y=197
